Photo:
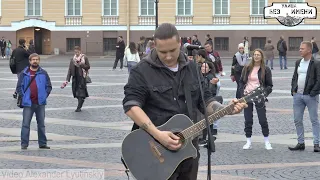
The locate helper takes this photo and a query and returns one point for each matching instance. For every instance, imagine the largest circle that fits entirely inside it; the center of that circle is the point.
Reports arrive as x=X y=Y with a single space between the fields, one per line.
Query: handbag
x=19 y=98
x=12 y=64
x=88 y=79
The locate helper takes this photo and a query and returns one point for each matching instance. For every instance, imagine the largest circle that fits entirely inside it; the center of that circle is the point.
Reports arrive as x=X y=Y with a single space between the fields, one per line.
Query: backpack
x=280 y=47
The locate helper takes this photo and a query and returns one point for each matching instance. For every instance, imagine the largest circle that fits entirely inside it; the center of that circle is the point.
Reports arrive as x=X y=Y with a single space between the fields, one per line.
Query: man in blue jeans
x=305 y=87
x=34 y=86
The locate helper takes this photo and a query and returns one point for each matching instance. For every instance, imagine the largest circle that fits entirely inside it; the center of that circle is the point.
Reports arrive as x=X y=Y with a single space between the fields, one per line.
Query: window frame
x=67 y=50
x=154 y=8
x=214 y=9
x=252 y=44
x=74 y=4
x=27 y=9
x=266 y=4
x=184 y=14
x=294 y=48
x=220 y=48
x=103 y=2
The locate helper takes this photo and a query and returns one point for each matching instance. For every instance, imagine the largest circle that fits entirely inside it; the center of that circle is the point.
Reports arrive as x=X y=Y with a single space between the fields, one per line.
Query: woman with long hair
x=132 y=56
x=78 y=68
x=254 y=75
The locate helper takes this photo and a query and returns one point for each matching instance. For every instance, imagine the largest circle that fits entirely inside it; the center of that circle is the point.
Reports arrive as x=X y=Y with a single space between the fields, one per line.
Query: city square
x=92 y=138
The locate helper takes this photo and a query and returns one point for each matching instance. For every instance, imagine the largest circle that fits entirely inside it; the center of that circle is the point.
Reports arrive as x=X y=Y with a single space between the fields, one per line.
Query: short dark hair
x=206 y=43
x=121 y=37
x=166 y=31
x=142 y=38
x=22 y=41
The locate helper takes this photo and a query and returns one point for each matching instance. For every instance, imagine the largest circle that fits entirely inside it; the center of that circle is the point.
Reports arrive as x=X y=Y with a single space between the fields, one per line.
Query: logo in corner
x=290 y=14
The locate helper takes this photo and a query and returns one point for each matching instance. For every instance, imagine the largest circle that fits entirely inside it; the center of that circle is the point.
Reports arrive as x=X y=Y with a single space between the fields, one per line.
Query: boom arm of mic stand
x=211 y=145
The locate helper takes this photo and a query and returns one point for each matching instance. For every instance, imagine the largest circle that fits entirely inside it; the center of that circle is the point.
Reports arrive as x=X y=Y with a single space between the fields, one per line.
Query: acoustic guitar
x=147 y=159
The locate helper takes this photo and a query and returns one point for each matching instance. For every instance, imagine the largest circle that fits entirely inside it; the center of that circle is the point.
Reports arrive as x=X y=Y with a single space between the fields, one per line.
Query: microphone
x=192 y=47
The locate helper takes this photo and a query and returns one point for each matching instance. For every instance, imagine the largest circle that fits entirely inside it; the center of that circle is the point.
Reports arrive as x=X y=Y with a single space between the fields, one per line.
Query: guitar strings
x=162 y=148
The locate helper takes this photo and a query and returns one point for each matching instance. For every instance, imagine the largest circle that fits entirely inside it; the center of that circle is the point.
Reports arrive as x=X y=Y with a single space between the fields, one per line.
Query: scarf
x=78 y=61
x=241 y=58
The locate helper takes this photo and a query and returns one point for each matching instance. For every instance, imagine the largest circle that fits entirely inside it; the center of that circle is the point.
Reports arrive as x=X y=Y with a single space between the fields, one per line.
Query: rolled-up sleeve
x=135 y=91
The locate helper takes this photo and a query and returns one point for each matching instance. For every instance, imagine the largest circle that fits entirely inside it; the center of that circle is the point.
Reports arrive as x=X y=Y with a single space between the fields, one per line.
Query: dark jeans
x=27 y=116
x=187 y=170
x=237 y=76
x=248 y=116
x=116 y=62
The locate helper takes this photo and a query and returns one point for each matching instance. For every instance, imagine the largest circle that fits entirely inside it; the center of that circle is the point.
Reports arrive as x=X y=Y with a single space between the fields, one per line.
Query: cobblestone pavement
x=92 y=138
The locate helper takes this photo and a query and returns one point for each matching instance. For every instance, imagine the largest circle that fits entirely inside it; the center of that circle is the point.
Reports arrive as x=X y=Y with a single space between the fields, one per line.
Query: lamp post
x=156 y=1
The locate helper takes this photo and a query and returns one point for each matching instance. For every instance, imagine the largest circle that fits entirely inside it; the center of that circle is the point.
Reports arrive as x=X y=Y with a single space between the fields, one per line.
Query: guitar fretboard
x=194 y=130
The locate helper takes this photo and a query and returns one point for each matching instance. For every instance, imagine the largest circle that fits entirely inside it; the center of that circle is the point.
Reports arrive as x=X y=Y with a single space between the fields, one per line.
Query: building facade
x=96 y=24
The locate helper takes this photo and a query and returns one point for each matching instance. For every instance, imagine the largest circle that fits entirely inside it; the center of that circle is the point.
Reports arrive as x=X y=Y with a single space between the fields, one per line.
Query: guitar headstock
x=256 y=95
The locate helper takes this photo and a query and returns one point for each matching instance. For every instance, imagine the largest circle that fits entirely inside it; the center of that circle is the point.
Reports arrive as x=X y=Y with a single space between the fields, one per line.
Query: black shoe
x=202 y=142
x=44 y=147
x=14 y=95
x=215 y=132
x=24 y=147
x=316 y=148
x=77 y=110
x=300 y=147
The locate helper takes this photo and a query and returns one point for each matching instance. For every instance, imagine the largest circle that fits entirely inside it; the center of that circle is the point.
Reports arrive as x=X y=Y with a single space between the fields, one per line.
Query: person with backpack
x=282 y=48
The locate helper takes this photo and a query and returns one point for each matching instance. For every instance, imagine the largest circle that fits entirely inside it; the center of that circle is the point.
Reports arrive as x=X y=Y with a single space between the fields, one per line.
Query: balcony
x=110 y=20
x=147 y=20
x=221 y=19
x=184 y=20
x=73 y=20
x=257 y=19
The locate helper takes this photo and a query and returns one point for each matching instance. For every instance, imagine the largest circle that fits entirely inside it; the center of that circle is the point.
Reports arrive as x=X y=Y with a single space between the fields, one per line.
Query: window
x=294 y=43
x=33 y=7
x=147 y=8
x=72 y=42
x=295 y=1
x=221 y=7
x=257 y=6
x=109 y=45
x=258 y=42
x=74 y=7
x=110 y=7
x=184 y=7
x=221 y=43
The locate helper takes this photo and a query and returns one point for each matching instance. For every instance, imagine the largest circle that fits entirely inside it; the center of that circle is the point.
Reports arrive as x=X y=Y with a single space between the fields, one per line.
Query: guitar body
x=149 y=160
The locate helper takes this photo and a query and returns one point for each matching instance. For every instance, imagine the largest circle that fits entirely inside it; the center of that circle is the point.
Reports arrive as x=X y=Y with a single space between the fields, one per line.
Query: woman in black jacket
x=254 y=75
x=78 y=69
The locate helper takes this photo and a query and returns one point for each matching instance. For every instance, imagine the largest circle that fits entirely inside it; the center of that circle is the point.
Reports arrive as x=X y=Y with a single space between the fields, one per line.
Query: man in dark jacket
x=3 y=45
x=282 y=48
x=305 y=88
x=34 y=99
x=119 y=53
x=156 y=91
x=20 y=57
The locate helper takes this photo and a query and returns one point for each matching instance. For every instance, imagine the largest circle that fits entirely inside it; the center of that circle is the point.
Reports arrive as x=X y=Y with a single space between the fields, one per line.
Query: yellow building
x=95 y=24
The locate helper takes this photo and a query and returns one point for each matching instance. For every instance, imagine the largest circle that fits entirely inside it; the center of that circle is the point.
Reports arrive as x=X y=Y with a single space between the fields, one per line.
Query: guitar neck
x=197 y=128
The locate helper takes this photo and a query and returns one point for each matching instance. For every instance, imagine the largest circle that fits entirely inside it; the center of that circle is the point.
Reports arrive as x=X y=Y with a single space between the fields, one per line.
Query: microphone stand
x=211 y=139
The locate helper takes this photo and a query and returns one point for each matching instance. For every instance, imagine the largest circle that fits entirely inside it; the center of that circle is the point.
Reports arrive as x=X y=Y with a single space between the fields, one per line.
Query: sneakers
x=268 y=146
x=248 y=145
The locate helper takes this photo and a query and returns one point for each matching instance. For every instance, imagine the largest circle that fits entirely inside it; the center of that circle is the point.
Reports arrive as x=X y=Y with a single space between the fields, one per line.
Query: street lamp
x=156 y=1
